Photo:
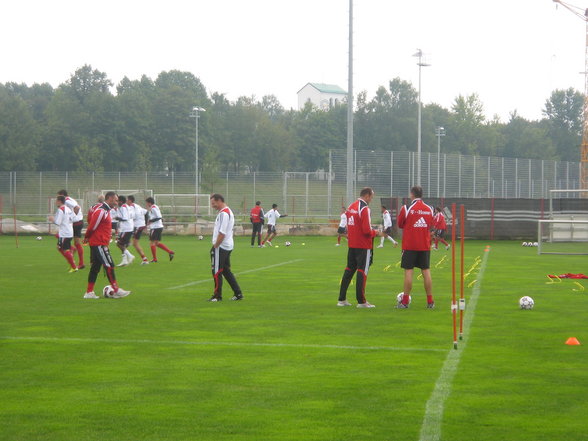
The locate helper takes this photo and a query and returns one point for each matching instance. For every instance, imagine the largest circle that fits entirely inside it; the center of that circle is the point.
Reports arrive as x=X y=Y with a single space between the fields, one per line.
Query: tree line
x=88 y=124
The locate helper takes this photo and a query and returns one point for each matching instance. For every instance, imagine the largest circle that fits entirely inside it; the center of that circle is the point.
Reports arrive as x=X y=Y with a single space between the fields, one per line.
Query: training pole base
x=454 y=345
x=461 y=337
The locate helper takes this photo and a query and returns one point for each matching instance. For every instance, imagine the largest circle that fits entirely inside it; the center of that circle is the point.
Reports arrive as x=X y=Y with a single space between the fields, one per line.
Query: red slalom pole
x=453 y=301
x=461 y=291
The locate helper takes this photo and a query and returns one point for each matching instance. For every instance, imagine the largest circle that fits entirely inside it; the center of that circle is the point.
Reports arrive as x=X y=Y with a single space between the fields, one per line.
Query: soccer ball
x=526 y=302
x=535 y=244
x=39 y=238
x=525 y=244
x=288 y=243
x=108 y=291
x=399 y=298
x=200 y=237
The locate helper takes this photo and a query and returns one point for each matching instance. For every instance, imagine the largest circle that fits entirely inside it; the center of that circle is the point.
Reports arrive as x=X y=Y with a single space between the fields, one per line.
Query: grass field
x=286 y=363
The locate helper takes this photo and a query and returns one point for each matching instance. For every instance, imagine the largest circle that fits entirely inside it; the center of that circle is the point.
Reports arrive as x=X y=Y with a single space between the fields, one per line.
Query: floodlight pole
x=196 y=116
x=350 y=171
x=439 y=132
x=420 y=64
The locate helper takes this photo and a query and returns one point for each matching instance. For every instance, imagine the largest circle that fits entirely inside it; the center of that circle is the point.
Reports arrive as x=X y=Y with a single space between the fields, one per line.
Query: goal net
x=184 y=205
x=563 y=236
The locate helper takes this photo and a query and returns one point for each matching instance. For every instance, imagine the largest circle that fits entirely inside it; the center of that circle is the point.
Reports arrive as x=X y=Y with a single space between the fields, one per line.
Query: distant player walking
x=222 y=247
x=156 y=229
x=416 y=220
x=272 y=217
x=440 y=225
x=360 y=236
x=126 y=215
x=98 y=236
x=78 y=225
x=139 y=225
x=342 y=229
x=64 y=218
x=256 y=216
x=387 y=220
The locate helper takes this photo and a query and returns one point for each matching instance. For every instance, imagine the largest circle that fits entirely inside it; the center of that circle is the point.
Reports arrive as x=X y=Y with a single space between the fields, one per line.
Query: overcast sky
x=513 y=53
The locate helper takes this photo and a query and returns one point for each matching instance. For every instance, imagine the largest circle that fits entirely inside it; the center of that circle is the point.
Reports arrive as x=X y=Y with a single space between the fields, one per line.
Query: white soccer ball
x=525 y=244
x=108 y=291
x=39 y=238
x=200 y=237
x=535 y=244
x=399 y=298
x=288 y=243
x=526 y=302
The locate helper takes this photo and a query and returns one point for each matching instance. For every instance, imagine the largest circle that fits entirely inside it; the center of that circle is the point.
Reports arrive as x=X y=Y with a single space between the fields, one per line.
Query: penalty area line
x=214 y=343
x=431 y=427
x=197 y=282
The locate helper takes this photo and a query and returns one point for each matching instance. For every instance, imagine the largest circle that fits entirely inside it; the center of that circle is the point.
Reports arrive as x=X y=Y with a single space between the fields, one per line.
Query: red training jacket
x=92 y=209
x=416 y=221
x=440 y=223
x=255 y=214
x=359 y=225
x=99 y=226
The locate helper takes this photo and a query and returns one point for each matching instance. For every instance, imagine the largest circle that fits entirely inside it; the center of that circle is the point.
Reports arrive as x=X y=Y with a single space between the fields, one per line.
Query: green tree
x=563 y=111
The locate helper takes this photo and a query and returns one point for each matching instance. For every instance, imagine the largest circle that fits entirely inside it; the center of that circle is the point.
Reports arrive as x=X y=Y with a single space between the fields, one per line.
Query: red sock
x=405 y=299
x=80 y=249
x=164 y=248
x=429 y=299
x=68 y=256
x=90 y=286
x=339 y=239
x=436 y=243
x=154 y=252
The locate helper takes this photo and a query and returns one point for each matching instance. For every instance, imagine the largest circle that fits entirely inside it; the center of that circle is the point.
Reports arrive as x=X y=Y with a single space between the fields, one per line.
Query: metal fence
x=306 y=195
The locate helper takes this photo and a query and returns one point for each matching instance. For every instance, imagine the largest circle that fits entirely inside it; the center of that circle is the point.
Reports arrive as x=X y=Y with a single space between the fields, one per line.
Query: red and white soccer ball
x=108 y=291
x=526 y=302
x=399 y=298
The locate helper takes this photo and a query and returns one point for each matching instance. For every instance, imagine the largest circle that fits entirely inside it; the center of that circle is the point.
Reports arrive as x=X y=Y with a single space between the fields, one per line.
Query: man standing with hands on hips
x=222 y=246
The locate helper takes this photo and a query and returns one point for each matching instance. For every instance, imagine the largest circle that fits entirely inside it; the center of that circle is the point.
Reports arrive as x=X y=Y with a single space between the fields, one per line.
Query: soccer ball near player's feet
x=200 y=237
x=399 y=298
x=108 y=291
x=288 y=243
x=526 y=302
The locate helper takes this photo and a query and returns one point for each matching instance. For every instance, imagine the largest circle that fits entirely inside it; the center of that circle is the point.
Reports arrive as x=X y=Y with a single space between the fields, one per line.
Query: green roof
x=328 y=88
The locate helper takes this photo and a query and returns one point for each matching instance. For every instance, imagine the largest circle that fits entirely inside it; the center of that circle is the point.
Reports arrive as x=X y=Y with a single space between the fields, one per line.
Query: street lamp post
x=439 y=132
x=196 y=115
x=420 y=64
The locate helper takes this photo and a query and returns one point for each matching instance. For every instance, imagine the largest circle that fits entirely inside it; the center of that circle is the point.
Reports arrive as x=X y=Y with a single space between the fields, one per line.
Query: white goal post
x=562 y=236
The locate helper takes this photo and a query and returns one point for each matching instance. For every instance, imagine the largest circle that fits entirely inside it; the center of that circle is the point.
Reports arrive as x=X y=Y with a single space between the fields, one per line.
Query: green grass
x=285 y=363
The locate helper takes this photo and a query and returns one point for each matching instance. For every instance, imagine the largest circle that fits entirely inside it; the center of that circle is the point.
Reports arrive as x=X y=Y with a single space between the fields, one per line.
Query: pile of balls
x=530 y=244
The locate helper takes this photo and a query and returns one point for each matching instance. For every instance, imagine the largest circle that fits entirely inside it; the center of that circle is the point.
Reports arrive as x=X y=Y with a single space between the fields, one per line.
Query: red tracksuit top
x=99 y=226
x=359 y=225
x=416 y=220
x=440 y=223
x=255 y=214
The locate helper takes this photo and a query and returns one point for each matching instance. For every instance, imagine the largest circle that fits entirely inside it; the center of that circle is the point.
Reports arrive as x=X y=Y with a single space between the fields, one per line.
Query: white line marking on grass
x=431 y=428
x=197 y=282
x=214 y=343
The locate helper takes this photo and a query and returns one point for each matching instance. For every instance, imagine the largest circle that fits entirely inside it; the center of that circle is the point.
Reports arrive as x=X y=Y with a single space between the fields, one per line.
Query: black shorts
x=77 y=228
x=155 y=234
x=101 y=254
x=271 y=229
x=124 y=238
x=341 y=230
x=257 y=227
x=420 y=259
x=64 y=243
x=388 y=231
x=115 y=226
x=439 y=233
x=138 y=231
x=359 y=259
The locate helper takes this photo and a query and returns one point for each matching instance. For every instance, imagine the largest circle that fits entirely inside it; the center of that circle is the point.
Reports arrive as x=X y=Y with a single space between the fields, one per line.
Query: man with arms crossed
x=360 y=237
x=222 y=246
x=416 y=220
x=98 y=236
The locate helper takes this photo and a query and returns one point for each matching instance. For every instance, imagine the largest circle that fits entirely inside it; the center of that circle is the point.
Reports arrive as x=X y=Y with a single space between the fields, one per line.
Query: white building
x=323 y=96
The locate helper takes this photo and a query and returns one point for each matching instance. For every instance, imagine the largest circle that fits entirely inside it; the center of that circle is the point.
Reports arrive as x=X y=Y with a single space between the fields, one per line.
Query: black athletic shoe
x=171 y=256
x=215 y=299
x=431 y=305
x=237 y=297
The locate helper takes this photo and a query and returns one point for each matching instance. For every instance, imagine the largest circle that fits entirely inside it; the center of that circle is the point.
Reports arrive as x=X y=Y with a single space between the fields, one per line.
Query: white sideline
x=237 y=274
x=214 y=343
x=431 y=427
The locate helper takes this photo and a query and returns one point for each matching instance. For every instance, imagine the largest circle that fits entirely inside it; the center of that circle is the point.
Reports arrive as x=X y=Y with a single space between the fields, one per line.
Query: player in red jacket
x=360 y=235
x=256 y=216
x=416 y=220
x=98 y=236
x=439 y=229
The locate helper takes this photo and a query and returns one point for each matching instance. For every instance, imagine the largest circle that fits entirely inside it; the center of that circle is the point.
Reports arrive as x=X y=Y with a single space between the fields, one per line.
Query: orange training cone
x=572 y=341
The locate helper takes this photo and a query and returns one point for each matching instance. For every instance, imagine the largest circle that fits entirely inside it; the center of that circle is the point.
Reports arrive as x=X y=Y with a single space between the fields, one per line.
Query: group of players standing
x=129 y=220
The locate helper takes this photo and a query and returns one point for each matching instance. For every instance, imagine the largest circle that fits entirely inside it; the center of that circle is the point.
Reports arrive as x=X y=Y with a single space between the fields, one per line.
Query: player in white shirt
x=342 y=229
x=64 y=218
x=272 y=217
x=222 y=246
x=78 y=224
x=125 y=230
x=139 y=224
x=155 y=230
x=387 y=219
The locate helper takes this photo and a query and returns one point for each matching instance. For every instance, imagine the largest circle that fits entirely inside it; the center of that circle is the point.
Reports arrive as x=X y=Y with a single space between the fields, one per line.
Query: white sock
x=391 y=240
x=128 y=254
x=381 y=241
